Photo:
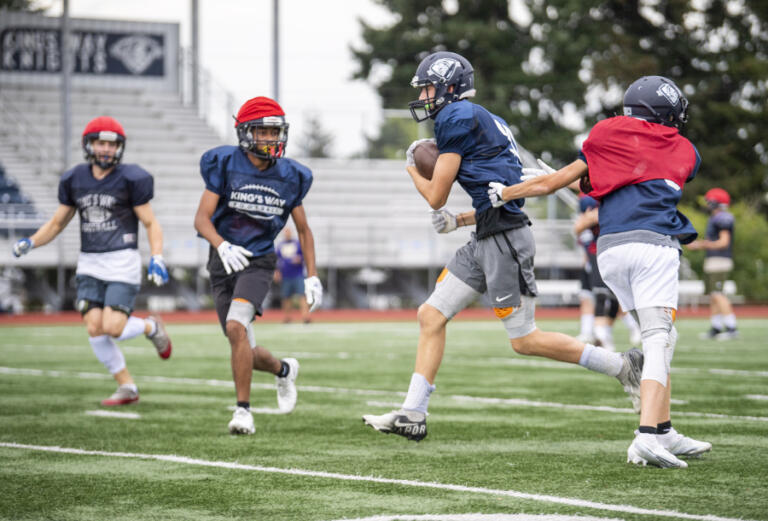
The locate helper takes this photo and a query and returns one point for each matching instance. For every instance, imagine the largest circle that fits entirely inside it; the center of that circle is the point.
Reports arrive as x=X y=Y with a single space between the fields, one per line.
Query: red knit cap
x=258 y=108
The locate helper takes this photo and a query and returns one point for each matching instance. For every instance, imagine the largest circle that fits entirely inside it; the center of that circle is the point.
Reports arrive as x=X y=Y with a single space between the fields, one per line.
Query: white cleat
x=408 y=424
x=242 y=422
x=286 y=387
x=630 y=374
x=646 y=449
x=680 y=445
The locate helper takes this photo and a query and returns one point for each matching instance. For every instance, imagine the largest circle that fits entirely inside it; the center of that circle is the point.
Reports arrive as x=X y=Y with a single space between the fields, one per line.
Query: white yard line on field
x=114 y=414
x=521 y=402
x=170 y=458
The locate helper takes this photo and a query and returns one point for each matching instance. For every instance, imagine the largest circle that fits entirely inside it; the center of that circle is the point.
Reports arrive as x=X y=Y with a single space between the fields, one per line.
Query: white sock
x=132 y=387
x=604 y=333
x=630 y=322
x=601 y=360
x=133 y=328
x=717 y=321
x=730 y=321
x=587 y=323
x=106 y=350
x=418 y=394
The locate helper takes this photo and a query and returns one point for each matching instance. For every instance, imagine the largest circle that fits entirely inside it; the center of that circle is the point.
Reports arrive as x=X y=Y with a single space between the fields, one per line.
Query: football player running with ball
x=111 y=198
x=477 y=147
x=250 y=191
x=636 y=166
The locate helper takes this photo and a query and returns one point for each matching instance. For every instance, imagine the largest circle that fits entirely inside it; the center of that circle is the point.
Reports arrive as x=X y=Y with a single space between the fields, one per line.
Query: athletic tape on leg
x=521 y=321
x=241 y=311
x=656 y=330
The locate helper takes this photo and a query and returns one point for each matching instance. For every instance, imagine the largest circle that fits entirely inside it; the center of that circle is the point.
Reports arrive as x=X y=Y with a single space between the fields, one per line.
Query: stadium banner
x=105 y=53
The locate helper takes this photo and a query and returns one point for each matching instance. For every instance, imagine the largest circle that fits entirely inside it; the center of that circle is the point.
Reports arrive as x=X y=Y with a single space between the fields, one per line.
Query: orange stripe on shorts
x=238 y=299
x=442 y=275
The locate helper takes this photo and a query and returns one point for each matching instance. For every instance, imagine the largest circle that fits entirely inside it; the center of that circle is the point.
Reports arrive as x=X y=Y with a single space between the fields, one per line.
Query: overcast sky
x=236 y=46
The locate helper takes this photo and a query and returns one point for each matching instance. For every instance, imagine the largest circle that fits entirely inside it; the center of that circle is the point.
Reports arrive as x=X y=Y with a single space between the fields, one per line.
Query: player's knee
x=526 y=345
x=235 y=331
x=113 y=329
x=430 y=319
x=659 y=336
x=94 y=329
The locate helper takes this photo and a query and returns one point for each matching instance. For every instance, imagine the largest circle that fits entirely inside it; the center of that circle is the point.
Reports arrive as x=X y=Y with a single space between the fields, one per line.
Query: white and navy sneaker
x=242 y=422
x=630 y=374
x=680 y=445
x=409 y=424
x=730 y=333
x=646 y=449
x=286 y=387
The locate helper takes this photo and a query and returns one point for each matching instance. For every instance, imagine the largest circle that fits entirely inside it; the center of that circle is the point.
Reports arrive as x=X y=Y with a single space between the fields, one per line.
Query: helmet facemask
x=103 y=162
x=263 y=147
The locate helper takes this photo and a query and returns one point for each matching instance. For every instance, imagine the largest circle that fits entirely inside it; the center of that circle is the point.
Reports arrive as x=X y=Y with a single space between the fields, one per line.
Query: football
x=425 y=157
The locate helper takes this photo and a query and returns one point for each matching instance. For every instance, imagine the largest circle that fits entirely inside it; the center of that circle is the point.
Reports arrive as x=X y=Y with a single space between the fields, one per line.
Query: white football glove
x=22 y=246
x=313 y=290
x=233 y=257
x=444 y=221
x=409 y=153
x=530 y=173
x=494 y=194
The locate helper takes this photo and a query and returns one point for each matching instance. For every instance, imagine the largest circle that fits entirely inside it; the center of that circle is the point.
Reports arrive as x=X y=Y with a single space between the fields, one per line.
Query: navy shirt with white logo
x=721 y=221
x=254 y=205
x=107 y=220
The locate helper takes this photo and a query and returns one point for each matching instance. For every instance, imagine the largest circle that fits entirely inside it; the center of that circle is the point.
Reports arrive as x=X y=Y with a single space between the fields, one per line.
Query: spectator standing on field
x=290 y=275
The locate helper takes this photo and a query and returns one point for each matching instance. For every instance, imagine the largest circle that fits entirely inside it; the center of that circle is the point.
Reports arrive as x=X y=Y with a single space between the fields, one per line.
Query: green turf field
x=507 y=434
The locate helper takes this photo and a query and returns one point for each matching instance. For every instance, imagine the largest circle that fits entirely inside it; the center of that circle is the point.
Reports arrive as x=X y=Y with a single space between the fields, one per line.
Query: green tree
x=315 y=141
x=564 y=64
x=21 y=5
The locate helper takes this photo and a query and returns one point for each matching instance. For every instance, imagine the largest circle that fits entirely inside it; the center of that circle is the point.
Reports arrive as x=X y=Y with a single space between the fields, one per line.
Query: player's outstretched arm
x=313 y=288
x=47 y=232
x=537 y=186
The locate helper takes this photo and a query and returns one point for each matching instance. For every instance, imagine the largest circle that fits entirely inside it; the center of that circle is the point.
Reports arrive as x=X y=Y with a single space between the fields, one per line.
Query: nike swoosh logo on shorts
x=503 y=298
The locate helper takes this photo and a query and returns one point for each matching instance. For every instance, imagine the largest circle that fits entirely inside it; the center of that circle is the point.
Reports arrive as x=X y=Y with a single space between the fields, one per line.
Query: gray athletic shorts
x=500 y=265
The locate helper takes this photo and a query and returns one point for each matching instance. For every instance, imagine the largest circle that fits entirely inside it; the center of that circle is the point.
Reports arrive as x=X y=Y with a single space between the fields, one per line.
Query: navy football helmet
x=656 y=99
x=442 y=69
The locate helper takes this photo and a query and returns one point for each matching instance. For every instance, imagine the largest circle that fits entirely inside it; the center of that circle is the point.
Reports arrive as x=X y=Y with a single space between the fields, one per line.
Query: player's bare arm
x=546 y=184
x=466 y=219
x=306 y=239
x=154 y=230
x=203 y=224
x=437 y=189
x=723 y=240
x=54 y=226
x=586 y=220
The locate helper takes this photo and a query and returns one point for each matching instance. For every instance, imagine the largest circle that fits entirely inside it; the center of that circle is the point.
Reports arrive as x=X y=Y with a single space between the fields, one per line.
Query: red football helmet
x=717 y=196
x=105 y=129
x=262 y=113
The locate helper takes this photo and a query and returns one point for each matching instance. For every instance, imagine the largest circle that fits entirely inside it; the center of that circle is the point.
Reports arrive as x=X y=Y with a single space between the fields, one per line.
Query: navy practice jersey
x=721 y=221
x=487 y=148
x=253 y=205
x=107 y=220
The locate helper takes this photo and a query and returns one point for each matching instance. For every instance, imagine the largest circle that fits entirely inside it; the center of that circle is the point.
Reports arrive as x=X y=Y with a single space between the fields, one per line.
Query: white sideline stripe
x=374 y=479
x=482 y=517
x=368 y=392
x=756 y=396
x=114 y=414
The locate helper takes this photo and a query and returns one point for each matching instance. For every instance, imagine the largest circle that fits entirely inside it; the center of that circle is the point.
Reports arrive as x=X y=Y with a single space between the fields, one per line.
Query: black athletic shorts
x=251 y=284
